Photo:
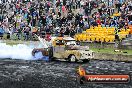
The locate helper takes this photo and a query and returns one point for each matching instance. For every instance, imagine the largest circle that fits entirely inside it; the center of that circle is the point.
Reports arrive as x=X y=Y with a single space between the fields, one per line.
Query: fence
x=21 y=36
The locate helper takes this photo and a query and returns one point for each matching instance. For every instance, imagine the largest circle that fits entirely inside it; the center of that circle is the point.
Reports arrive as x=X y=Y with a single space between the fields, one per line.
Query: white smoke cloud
x=19 y=51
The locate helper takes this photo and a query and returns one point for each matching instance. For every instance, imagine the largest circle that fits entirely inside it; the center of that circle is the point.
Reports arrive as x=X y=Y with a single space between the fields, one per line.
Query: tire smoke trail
x=20 y=51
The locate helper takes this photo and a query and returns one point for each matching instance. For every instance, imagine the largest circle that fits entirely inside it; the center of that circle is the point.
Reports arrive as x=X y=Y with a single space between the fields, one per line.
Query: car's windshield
x=70 y=42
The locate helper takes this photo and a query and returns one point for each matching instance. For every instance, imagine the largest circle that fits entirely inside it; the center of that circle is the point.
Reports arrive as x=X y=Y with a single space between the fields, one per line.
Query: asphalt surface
x=40 y=74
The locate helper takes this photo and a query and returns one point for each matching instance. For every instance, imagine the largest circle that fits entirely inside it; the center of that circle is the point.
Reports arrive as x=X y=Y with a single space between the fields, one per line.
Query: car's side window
x=60 y=42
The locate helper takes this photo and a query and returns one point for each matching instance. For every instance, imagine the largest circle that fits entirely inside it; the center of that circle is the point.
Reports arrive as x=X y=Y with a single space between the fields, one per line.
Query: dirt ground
x=40 y=74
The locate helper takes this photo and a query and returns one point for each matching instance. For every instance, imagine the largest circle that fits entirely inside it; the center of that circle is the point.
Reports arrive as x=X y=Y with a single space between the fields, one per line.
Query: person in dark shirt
x=67 y=32
x=34 y=21
x=43 y=18
x=94 y=23
x=26 y=32
x=72 y=32
x=113 y=23
x=59 y=14
x=1 y=31
x=118 y=6
x=81 y=24
x=61 y=32
x=63 y=20
x=121 y=24
x=28 y=19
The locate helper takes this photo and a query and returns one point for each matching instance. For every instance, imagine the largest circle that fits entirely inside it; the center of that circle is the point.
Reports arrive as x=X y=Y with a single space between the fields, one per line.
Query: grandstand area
x=103 y=34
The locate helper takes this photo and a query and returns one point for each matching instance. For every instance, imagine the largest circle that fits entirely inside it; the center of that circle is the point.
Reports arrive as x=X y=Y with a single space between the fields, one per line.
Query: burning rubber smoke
x=20 y=51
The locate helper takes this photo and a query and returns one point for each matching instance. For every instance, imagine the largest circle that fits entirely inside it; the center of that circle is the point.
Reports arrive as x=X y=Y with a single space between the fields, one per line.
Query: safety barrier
x=21 y=36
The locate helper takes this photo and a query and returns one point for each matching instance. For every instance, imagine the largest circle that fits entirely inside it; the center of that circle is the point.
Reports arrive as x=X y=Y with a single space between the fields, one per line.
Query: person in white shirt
x=82 y=3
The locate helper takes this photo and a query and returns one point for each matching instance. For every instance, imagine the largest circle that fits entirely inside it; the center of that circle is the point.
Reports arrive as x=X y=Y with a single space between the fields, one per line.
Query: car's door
x=59 y=49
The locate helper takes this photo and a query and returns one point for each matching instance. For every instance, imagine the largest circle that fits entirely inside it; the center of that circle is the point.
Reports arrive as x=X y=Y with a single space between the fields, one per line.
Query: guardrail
x=21 y=36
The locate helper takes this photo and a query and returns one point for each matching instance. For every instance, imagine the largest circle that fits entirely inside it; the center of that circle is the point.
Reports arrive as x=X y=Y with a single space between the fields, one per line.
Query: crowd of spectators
x=60 y=17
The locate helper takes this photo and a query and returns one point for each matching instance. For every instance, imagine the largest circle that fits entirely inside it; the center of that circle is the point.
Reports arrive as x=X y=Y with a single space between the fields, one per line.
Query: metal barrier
x=19 y=36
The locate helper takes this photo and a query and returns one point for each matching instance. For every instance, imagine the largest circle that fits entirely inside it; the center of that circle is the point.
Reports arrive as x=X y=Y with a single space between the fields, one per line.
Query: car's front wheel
x=72 y=58
x=86 y=60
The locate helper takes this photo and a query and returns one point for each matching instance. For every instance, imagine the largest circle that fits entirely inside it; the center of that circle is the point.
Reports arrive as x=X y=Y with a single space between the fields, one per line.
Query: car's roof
x=68 y=38
x=63 y=38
